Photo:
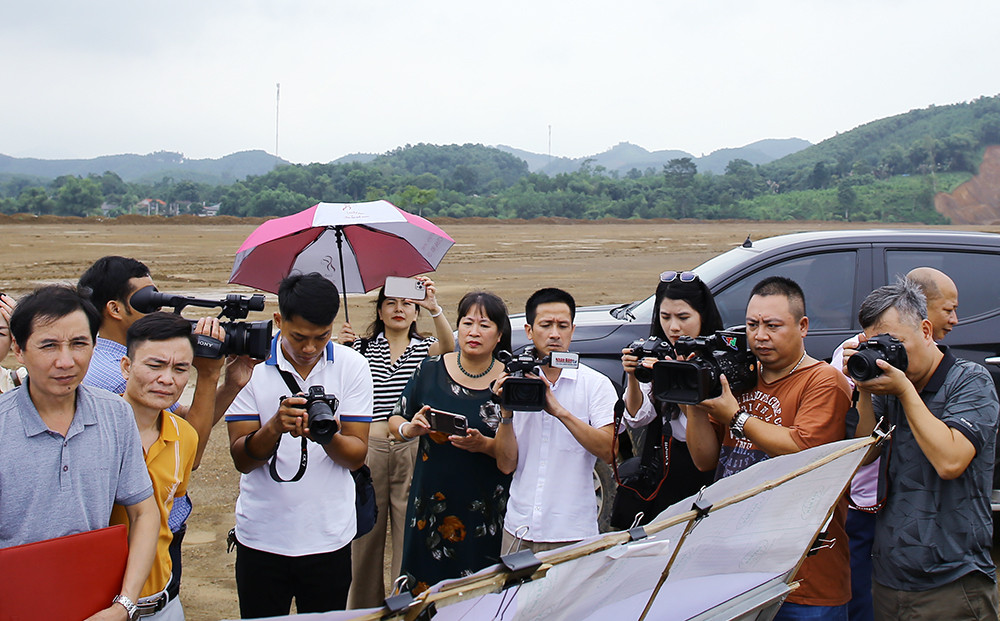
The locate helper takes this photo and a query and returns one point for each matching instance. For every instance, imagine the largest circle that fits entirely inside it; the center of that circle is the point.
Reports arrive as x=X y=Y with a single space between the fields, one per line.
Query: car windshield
x=709 y=271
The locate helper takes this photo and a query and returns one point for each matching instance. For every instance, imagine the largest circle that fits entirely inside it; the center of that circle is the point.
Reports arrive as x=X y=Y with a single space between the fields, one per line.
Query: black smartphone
x=448 y=423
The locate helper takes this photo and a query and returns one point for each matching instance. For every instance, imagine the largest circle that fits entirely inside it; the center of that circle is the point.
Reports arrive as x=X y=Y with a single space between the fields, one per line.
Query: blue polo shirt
x=51 y=485
x=931 y=532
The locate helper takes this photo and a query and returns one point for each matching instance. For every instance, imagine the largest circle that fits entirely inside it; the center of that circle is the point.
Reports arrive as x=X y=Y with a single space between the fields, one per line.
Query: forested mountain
x=624 y=156
x=149 y=168
x=886 y=170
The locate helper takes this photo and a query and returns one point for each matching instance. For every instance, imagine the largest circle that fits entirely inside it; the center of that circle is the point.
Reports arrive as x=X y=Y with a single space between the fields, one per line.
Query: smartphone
x=448 y=423
x=406 y=288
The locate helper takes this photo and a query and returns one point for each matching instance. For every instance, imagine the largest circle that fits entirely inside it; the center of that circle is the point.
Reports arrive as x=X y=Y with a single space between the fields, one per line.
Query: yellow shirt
x=169 y=461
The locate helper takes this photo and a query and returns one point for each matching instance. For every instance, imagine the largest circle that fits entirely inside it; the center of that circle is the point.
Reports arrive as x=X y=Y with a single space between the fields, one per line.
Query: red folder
x=70 y=577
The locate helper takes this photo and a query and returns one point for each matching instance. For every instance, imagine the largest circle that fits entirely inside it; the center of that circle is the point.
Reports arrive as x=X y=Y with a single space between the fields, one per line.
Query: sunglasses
x=671 y=276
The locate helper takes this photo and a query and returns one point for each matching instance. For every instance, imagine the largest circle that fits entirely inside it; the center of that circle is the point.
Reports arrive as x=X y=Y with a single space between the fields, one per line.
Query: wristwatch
x=130 y=607
x=736 y=425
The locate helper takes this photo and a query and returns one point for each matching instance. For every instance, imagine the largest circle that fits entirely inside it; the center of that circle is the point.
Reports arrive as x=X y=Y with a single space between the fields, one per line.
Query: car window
x=827 y=279
x=974 y=274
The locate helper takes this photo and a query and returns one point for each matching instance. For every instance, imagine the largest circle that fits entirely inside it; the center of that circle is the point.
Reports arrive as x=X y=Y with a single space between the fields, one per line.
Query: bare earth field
x=598 y=262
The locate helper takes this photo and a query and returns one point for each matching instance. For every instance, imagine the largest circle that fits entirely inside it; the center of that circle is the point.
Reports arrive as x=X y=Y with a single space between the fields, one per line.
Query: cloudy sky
x=83 y=79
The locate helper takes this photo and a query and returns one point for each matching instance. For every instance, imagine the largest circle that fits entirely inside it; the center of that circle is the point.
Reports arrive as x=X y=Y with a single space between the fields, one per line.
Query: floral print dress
x=454 y=519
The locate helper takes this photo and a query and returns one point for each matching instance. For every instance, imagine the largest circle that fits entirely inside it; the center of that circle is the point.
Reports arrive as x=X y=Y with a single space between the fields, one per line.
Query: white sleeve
x=646 y=412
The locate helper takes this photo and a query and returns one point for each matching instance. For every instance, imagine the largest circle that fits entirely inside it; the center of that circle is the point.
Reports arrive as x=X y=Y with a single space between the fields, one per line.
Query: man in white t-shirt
x=552 y=452
x=295 y=515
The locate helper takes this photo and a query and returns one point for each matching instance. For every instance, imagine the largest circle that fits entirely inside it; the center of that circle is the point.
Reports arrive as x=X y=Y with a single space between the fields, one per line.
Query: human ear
x=126 y=365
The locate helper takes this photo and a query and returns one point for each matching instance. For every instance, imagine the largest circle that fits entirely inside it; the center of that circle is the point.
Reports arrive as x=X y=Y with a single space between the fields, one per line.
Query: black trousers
x=266 y=583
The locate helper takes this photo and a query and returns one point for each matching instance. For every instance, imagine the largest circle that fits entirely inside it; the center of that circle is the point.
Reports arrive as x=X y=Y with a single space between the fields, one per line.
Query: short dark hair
x=107 y=279
x=158 y=326
x=309 y=296
x=547 y=296
x=50 y=303
x=495 y=309
x=779 y=285
x=697 y=294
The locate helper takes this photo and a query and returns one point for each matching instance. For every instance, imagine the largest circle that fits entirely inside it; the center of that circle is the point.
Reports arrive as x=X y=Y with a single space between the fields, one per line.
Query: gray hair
x=905 y=296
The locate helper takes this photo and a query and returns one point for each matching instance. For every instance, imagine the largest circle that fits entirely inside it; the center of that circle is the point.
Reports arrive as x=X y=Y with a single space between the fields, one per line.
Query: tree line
x=887 y=170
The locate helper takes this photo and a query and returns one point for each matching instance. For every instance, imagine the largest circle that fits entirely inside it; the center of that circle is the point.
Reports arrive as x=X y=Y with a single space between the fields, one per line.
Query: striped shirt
x=390 y=377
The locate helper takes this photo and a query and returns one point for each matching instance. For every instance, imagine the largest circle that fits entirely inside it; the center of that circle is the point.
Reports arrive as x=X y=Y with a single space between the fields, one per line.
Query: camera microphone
x=149 y=300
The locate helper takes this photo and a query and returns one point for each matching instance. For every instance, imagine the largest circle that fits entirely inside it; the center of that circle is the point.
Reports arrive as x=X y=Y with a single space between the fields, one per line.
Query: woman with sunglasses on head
x=459 y=496
x=683 y=306
x=394 y=349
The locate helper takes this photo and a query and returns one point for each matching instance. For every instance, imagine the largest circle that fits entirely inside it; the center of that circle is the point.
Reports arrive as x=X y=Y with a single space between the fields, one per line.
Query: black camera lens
x=322 y=424
x=523 y=393
x=862 y=365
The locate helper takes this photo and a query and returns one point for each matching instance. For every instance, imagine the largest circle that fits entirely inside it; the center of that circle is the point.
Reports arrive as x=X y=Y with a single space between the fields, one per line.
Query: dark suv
x=836 y=270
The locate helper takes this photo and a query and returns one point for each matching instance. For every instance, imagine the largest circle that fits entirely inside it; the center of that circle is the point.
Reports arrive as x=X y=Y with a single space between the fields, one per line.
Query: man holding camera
x=68 y=451
x=552 y=453
x=798 y=402
x=931 y=554
x=295 y=515
x=111 y=282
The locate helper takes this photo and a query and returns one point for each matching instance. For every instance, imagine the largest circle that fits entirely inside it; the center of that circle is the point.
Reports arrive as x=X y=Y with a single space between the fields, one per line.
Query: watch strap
x=130 y=607
x=737 y=424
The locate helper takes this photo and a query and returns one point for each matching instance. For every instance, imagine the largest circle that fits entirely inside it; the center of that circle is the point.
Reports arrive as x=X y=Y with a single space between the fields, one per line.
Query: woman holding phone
x=458 y=498
x=683 y=306
x=394 y=349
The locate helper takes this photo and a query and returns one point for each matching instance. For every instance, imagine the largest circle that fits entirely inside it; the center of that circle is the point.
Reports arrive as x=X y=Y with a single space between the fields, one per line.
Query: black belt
x=151 y=607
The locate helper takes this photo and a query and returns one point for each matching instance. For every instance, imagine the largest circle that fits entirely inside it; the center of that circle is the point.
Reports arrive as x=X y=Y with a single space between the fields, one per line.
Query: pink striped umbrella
x=381 y=240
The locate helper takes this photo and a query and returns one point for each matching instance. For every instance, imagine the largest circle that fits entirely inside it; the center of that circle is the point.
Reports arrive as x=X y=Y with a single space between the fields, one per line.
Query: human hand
x=347 y=335
x=114 y=612
x=891 y=381
x=629 y=362
x=7 y=305
x=724 y=407
x=417 y=427
x=239 y=369
x=209 y=326
x=291 y=417
x=430 y=299
x=473 y=441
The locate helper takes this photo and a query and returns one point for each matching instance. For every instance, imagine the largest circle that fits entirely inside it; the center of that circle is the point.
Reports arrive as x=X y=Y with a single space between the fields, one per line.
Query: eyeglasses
x=671 y=276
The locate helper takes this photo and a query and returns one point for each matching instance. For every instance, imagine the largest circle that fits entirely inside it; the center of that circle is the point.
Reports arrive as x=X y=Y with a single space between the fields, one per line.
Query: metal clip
x=635 y=531
x=398 y=599
x=882 y=434
x=518 y=538
x=821 y=543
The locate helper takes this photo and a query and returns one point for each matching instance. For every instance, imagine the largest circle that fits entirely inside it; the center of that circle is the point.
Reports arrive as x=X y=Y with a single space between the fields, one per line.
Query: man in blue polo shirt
x=68 y=451
x=295 y=515
x=931 y=554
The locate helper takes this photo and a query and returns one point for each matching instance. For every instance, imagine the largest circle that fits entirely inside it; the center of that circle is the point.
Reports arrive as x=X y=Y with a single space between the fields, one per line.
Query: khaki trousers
x=391 y=463
x=973 y=596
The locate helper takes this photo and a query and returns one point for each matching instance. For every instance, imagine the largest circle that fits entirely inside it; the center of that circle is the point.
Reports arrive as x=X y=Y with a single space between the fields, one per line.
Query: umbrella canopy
x=355 y=245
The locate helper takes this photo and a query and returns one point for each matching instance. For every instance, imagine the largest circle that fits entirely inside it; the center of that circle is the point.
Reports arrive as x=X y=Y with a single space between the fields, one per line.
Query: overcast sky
x=83 y=79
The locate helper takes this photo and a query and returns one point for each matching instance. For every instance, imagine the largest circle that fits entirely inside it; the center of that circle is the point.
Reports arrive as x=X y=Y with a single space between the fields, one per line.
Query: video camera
x=697 y=379
x=861 y=366
x=251 y=338
x=653 y=347
x=527 y=394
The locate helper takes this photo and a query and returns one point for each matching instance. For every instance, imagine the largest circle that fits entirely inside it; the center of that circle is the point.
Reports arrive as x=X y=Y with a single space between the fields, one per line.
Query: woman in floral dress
x=458 y=497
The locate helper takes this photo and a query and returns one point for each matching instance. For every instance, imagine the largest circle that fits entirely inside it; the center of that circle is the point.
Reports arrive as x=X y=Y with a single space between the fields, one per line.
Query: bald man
x=942 y=298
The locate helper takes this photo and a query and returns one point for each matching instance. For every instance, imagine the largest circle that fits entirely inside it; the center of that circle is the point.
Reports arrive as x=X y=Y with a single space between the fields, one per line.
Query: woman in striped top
x=394 y=349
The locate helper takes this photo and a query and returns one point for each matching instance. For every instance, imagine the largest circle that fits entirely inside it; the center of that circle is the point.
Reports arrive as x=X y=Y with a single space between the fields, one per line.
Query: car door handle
x=992 y=360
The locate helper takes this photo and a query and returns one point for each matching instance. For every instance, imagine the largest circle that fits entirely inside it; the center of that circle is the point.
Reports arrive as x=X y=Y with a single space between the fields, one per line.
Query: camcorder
x=250 y=338
x=693 y=381
x=861 y=366
x=653 y=347
x=527 y=394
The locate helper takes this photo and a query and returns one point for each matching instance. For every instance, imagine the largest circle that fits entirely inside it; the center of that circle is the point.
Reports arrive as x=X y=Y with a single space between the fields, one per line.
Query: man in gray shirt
x=931 y=555
x=69 y=452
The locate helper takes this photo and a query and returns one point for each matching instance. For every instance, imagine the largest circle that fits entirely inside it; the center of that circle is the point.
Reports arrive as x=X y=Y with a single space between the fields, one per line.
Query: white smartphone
x=406 y=288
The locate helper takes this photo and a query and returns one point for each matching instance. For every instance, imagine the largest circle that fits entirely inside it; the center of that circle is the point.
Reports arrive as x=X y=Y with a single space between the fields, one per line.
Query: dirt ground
x=598 y=262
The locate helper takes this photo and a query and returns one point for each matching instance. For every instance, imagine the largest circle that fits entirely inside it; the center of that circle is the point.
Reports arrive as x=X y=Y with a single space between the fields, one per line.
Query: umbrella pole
x=343 y=279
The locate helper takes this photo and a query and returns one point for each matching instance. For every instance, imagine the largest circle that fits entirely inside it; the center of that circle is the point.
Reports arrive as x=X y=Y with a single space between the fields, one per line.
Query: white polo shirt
x=315 y=514
x=553 y=487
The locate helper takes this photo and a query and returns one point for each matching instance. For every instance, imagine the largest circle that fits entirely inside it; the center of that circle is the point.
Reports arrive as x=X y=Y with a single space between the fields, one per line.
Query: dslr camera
x=528 y=393
x=653 y=347
x=320 y=408
x=251 y=338
x=693 y=381
x=861 y=366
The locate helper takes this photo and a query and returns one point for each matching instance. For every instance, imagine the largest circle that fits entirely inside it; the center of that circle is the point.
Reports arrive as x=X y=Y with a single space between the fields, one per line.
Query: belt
x=149 y=606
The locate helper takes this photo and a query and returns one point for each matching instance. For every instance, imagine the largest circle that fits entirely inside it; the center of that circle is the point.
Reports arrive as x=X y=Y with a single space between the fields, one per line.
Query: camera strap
x=272 y=466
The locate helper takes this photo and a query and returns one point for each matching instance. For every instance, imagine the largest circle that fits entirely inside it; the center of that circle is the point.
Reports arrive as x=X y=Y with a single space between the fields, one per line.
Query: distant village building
x=150 y=206
x=211 y=210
